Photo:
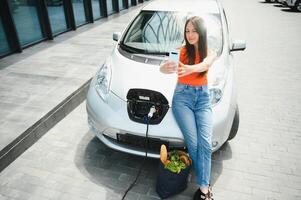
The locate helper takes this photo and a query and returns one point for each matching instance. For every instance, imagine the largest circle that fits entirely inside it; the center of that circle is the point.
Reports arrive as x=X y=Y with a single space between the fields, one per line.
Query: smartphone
x=174 y=56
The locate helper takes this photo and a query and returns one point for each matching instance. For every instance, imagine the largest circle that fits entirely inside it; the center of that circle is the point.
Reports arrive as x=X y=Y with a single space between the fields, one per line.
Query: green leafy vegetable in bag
x=176 y=164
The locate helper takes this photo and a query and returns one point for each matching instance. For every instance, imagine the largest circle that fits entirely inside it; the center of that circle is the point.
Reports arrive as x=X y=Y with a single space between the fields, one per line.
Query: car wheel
x=297 y=6
x=268 y=1
x=235 y=125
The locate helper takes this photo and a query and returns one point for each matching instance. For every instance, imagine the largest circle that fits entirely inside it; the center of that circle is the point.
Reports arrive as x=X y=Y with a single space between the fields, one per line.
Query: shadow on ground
x=290 y=10
x=224 y=153
x=115 y=171
x=279 y=6
x=265 y=2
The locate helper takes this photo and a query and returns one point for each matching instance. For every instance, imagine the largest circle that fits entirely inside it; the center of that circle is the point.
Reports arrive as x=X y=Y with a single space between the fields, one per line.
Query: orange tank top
x=194 y=79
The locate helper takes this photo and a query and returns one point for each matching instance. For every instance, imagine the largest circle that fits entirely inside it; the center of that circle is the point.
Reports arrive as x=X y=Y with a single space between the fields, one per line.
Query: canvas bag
x=169 y=183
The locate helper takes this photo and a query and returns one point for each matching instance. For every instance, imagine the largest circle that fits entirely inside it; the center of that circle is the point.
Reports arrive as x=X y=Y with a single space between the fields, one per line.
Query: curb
x=13 y=150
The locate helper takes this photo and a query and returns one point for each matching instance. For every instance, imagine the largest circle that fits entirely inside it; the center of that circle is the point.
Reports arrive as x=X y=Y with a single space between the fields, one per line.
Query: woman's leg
x=203 y=115
x=186 y=122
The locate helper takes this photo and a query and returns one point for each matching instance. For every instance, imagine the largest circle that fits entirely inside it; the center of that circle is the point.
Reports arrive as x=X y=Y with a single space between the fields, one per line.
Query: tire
x=235 y=125
x=297 y=6
x=268 y=1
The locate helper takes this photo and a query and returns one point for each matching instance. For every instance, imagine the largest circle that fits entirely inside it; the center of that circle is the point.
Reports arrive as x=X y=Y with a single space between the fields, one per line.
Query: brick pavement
x=70 y=163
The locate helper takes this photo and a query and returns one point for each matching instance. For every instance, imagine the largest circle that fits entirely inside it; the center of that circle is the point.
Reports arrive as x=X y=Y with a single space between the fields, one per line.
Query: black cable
x=144 y=159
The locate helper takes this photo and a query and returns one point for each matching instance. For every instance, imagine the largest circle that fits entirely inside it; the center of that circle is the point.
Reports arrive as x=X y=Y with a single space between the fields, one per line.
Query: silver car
x=294 y=4
x=129 y=84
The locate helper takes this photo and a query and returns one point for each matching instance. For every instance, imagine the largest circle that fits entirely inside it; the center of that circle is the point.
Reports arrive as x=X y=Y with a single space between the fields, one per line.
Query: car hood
x=128 y=74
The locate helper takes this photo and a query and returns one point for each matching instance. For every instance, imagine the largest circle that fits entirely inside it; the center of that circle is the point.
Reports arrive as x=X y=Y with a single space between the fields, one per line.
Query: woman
x=191 y=104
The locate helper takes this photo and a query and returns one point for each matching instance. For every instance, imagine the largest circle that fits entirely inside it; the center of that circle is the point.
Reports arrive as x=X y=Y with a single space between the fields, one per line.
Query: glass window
x=4 y=47
x=26 y=20
x=96 y=9
x=56 y=15
x=121 y=4
x=130 y=3
x=110 y=7
x=79 y=12
x=159 y=32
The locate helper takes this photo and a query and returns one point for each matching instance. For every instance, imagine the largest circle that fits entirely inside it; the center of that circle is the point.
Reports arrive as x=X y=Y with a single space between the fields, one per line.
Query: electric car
x=128 y=85
x=294 y=4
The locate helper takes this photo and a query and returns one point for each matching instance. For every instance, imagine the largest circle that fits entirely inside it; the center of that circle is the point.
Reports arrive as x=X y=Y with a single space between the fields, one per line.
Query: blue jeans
x=192 y=110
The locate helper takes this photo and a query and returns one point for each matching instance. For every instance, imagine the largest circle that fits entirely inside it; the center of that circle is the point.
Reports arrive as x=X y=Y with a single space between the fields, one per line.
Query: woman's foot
x=199 y=195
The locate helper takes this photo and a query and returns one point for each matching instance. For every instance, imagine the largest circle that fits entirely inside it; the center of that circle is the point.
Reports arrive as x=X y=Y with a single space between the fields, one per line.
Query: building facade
x=26 y=22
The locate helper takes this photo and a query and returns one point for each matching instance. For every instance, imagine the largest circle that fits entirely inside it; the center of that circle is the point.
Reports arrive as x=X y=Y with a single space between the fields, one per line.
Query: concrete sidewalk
x=41 y=77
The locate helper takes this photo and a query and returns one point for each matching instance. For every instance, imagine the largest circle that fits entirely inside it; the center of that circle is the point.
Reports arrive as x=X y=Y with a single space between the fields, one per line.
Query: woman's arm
x=200 y=67
x=207 y=62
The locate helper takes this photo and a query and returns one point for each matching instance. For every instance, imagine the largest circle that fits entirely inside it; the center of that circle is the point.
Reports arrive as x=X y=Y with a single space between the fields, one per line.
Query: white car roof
x=200 y=6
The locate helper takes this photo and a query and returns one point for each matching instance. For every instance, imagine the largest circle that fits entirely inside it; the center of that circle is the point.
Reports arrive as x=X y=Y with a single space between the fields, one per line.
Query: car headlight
x=215 y=95
x=217 y=86
x=103 y=79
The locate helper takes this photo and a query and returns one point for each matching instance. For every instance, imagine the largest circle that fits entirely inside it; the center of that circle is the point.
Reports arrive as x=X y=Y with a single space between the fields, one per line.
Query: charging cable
x=146 y=120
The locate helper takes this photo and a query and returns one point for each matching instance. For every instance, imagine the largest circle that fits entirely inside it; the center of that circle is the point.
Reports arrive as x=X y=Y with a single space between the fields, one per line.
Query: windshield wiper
x=155 y=53
x=140 y=51
x=129 y=48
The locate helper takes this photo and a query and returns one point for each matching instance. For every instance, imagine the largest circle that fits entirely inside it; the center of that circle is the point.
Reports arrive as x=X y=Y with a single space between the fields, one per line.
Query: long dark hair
x=198 y=24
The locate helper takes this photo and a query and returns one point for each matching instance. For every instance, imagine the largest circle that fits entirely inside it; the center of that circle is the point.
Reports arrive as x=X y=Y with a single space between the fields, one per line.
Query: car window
x=160 y=32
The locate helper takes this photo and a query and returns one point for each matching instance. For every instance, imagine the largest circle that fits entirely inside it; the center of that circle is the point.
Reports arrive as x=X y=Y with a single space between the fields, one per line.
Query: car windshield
x=158 y=32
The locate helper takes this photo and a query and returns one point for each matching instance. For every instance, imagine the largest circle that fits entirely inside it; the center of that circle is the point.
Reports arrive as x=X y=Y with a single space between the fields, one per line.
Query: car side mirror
x=238 y=45
x=116 y=36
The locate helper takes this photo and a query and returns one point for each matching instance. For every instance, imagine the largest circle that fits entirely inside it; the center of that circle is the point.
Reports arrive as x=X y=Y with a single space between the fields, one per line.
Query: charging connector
x=142 y=103
x=151 y=112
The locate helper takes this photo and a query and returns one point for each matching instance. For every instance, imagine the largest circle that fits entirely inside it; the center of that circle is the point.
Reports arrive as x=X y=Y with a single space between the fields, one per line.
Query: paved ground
x=69 y=163
x=38 y=79
x=262 y=162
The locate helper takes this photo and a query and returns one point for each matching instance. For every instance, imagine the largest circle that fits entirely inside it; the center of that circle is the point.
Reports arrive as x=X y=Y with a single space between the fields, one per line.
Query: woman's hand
x=168 y=67
x=200 y=67
x=185 y=70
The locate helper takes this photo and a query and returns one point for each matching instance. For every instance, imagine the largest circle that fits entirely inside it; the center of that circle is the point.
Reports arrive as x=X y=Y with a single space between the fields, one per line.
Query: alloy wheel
x=298 y=6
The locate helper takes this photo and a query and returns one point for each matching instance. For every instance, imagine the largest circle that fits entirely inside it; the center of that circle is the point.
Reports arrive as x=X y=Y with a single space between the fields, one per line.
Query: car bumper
x=109 y=120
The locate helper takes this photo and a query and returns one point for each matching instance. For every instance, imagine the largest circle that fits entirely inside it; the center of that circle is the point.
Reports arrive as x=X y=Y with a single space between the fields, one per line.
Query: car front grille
x=154 y=144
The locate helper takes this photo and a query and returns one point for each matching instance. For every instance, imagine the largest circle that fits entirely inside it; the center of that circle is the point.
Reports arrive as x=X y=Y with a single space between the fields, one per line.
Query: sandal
x=210 y=192
x=199 y=195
